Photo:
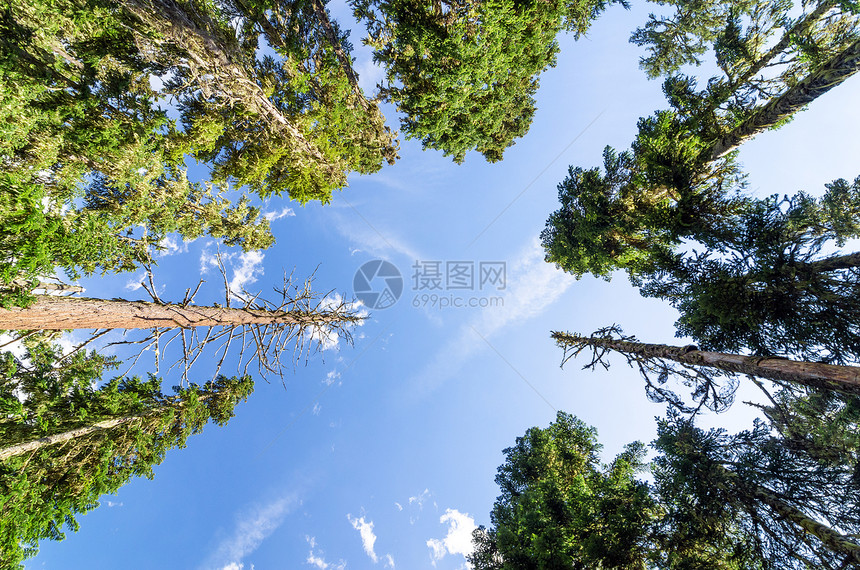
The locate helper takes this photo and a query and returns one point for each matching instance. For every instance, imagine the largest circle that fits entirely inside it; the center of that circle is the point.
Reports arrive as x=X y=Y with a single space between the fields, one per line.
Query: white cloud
x=327 y=337
x=250 y=531
x=317 y=409
x=459 y=537
x=331 y=377
x=368 y=538
x=375 y=240
x=283 y=213
x=172 y=245
x=415 y=505
x=532 y=286
x=420 y=498
x=389 y=561
x=135 y=283
x=208 y=259
x=316 y=557
x=250 y=267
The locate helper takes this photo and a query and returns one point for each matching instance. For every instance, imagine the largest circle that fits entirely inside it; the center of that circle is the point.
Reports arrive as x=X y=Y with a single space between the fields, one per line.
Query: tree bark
x=829 y=537
x=813 y=374
x=63 y=313
x=798 y=29
x=207 y=53
x=21 y=448
x=839 y=68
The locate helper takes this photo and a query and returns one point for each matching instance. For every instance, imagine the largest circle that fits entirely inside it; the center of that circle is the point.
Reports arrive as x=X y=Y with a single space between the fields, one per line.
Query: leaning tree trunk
x=54 y=439
x=796 y=31
x=839 y=68
x=830 y=538
x=64 y=313
x=216 y=69
x=833 y=263
x=813 y=374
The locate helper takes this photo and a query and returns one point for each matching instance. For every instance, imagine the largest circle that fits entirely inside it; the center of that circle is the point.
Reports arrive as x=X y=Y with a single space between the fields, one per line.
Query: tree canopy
x=465 y=73
x=64 y=442
x=560 y=508
x=767 y=287
x=749 y=500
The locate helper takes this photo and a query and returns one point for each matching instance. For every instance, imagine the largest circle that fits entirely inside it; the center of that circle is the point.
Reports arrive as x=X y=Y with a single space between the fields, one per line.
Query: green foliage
x=465 y=75
x=635 y=215
x=308 y=125
x=752 y=496
x=604 y=222
x=766 y=289
x=560 y=508
x=89 y=157
x=755 y=500
x=43 y=489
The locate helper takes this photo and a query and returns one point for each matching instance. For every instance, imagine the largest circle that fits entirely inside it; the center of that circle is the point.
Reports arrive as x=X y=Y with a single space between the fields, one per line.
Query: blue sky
x=383 y=454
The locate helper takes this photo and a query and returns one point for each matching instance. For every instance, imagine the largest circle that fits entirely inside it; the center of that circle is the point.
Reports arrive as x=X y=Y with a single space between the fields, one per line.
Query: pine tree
x=767 y=288
x=559 y=508
x=66 y=443
x=465 y=73
x=751 y=500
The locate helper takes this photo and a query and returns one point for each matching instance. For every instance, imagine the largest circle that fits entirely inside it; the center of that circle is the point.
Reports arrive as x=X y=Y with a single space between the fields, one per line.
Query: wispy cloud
x=459 y=537
x=244 y=268
x=277 y=215
x=250 y=531
x=368 y=538
x=372 y=237
x=327 y=337
x=135 y=283
x=331 y=377
x=172 y=245
x=415 y=505
x=532 y=286
x=246 y=271
x=316 y=557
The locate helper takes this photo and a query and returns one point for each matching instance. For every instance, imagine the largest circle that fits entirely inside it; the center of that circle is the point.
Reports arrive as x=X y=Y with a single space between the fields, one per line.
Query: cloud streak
x=249 y=533
x=532 y=286
x=368 y=538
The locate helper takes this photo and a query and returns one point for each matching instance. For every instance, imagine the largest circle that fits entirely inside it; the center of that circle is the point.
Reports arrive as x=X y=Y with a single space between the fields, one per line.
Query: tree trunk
x=813 y=374
x=796 y=31
x=829 y=537
x=207 y=53
x=839 y=68
x=21 y=448
x=63 y=313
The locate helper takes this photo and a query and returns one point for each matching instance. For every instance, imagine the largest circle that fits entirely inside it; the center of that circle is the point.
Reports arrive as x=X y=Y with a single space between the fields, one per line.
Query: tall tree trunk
x=830 y=538
x=62 y=313
x=813 y=374
x=834 y=263
x=208 y=55
x=839 y=68
x=799 y=28
x=83 y=431
x=34 y=445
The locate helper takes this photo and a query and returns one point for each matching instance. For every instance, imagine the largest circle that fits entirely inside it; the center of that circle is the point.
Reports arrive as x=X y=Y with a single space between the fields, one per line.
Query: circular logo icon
x=378 y=284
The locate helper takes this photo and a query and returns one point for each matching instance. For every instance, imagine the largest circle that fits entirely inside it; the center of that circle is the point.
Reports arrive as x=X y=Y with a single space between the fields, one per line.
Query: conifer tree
x=465 y=73
x=64 y=443
x=767 y=288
